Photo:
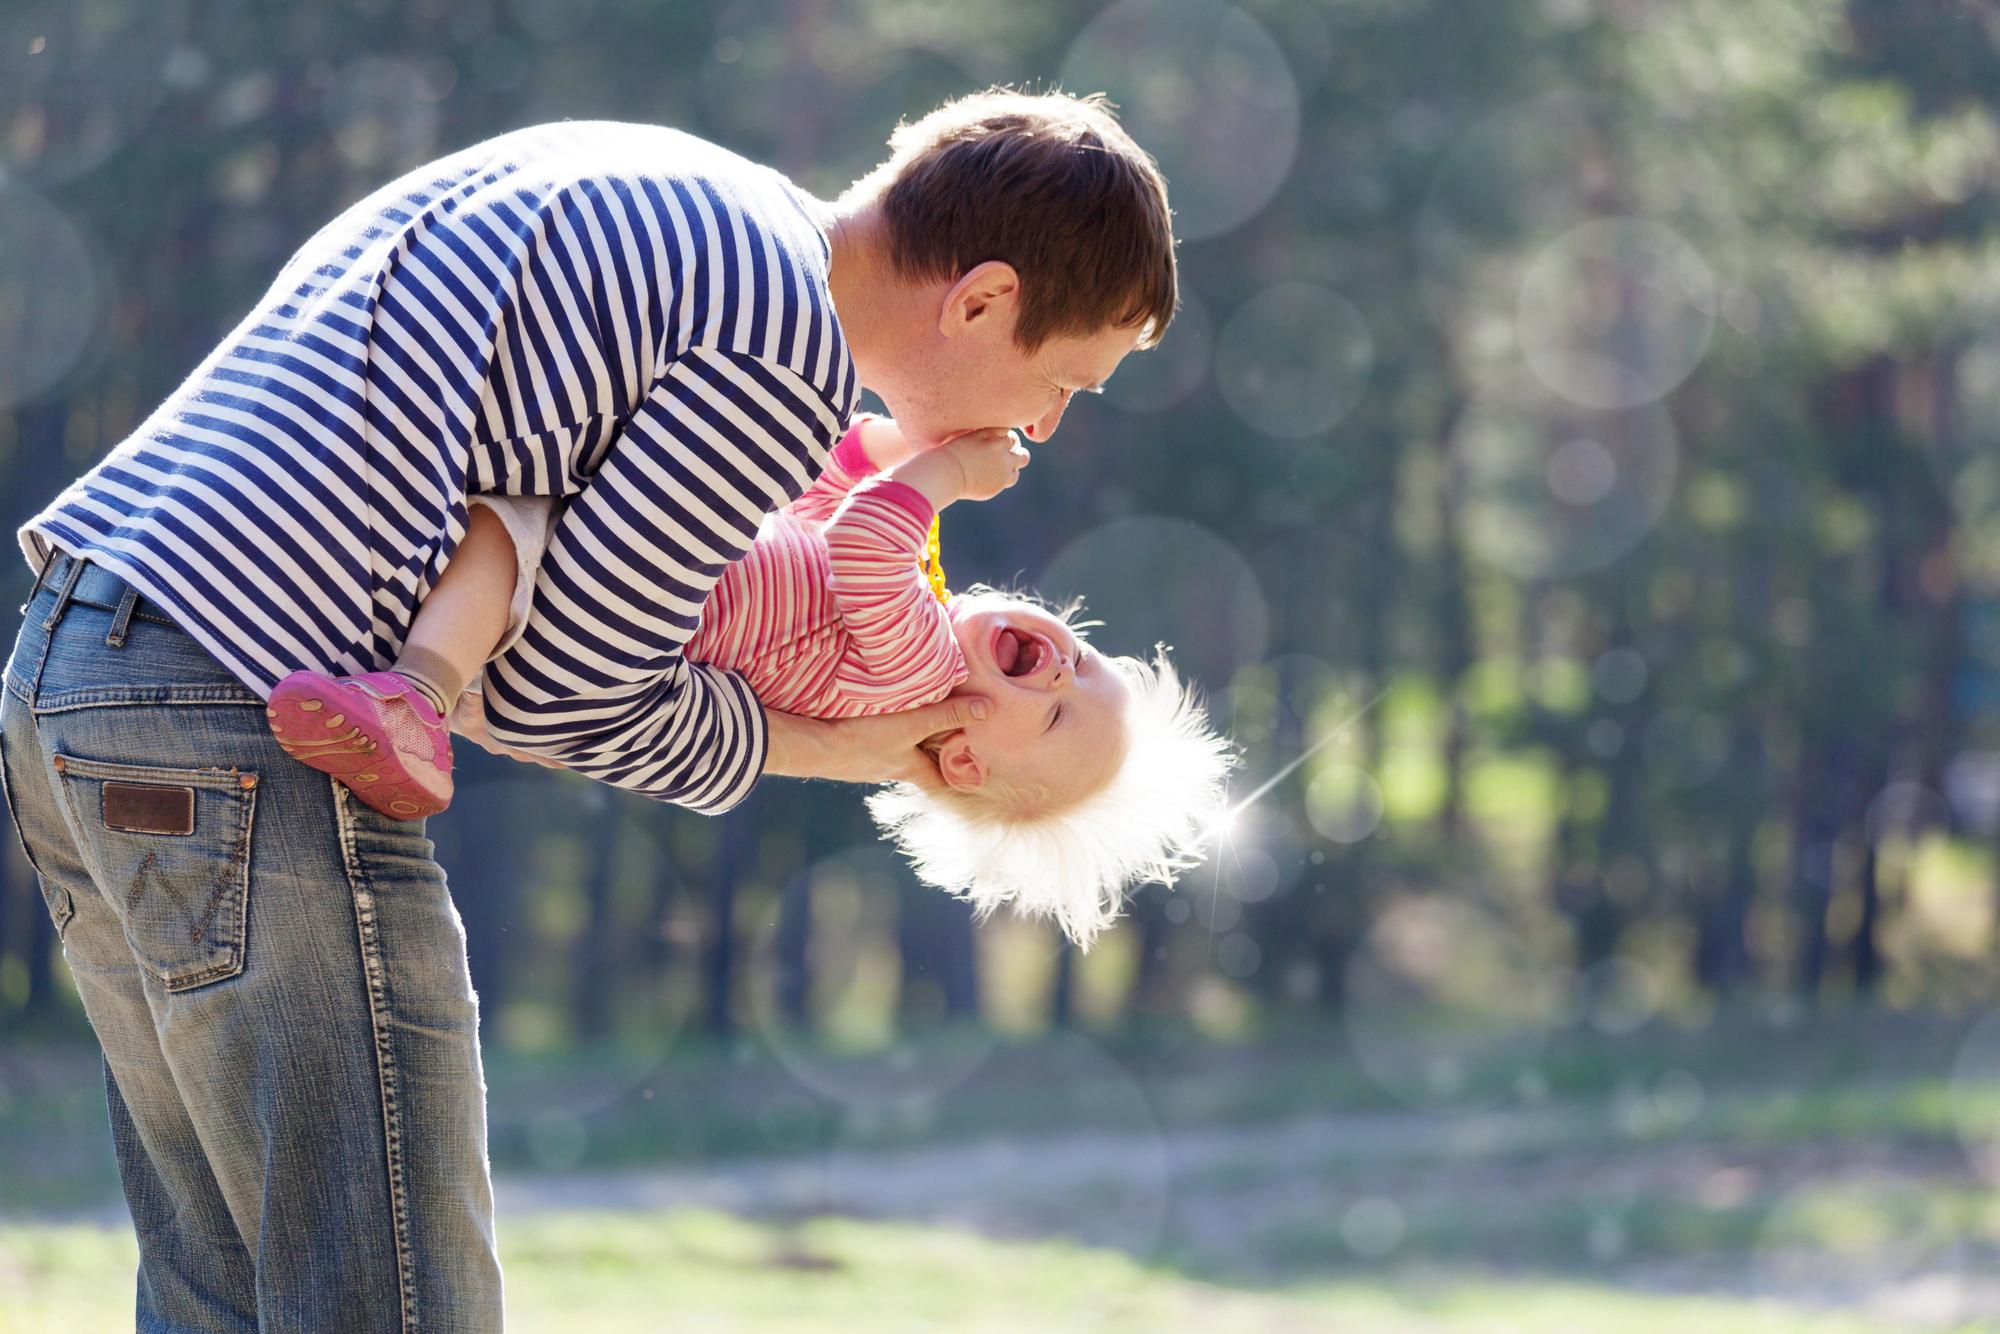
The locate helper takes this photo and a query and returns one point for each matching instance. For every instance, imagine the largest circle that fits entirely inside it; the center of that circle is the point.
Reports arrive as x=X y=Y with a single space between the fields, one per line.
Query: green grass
x=1929 y=1228
x=1525 y=1228
x=690 y=1270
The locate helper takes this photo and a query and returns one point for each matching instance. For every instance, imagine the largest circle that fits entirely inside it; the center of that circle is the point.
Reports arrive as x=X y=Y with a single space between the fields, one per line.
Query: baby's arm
x=870 y=445
x=479 y=603
x=901 y=639
x=978 y=466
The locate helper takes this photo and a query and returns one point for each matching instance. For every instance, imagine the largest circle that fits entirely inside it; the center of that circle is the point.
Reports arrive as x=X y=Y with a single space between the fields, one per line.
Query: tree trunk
x=1148 y=996
x=958 y=960
x=1062 y=992
x=735 y=845
x=1722 y=957
x=793 y=946
x=596 y=959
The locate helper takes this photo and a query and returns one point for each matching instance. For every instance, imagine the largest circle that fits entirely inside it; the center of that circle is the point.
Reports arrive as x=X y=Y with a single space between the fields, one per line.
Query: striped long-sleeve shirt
x=620 y=316
x=830 y=615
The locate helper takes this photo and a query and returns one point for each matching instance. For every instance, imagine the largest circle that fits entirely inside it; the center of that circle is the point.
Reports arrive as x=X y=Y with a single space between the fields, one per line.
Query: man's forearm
x=875 y=748
x=795 y=747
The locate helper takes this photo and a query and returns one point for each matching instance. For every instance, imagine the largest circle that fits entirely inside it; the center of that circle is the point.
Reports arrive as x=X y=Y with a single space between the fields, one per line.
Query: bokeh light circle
x=1249 y=873
x=1152 y=579
x=1604 y=737
x=852 y=899
x=1522 y=179
x=1825 y=1244
x=51 y=301
x=1619 y=674
x=1444 y=999
x=1210 y=904
x=1373 y=1227
x=1616 y=312
x=1344 y=802
x=1207 y=91
x=1686 y=747
x=1294 y=359
x=1239 y=956
x=1618 y=996
x=1539 y=285
x=1519 y=510
x=60 y=115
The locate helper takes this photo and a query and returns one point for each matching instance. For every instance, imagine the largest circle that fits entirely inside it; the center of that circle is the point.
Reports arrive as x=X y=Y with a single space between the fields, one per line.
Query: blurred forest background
x=1573 y=476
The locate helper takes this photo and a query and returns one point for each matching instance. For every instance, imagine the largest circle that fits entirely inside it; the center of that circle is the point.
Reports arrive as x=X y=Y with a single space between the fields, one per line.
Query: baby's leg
x=385 y=736
x=458 y=626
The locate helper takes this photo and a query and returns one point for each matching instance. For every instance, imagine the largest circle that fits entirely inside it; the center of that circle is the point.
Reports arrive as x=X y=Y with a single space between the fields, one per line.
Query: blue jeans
x=276 y=974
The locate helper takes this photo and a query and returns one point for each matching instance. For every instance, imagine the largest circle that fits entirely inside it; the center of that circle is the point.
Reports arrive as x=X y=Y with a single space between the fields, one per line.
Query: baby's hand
x=989 y=461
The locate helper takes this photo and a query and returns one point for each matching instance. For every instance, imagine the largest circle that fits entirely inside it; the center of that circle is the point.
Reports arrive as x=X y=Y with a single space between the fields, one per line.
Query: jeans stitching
x=111 y=697
x=385 y=1053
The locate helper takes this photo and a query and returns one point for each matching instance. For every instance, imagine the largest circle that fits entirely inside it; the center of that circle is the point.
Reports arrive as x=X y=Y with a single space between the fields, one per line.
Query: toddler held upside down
x=1088 y=772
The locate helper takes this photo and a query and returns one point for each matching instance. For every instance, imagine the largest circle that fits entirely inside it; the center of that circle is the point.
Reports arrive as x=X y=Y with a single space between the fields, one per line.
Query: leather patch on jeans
x=141 y=808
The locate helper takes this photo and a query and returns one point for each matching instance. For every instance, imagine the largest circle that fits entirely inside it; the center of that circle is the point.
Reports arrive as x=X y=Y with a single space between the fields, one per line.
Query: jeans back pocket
x=170 y=849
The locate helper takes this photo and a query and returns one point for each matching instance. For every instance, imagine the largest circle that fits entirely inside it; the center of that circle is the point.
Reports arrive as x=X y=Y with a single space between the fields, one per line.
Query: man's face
x=968 y=374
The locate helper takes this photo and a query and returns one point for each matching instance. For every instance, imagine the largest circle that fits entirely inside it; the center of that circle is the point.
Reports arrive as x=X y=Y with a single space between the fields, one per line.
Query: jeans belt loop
x=41 y=573
x=121 y=621
x=62 y=597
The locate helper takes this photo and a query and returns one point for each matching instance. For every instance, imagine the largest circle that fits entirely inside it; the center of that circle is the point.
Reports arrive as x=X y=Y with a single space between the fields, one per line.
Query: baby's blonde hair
x=1072 y=863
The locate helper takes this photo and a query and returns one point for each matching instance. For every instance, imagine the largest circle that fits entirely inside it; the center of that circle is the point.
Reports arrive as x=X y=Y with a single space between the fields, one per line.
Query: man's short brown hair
x=1048 y=183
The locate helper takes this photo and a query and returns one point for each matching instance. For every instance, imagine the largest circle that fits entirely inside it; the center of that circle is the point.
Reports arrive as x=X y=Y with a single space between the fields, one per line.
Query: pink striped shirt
x=829 y=614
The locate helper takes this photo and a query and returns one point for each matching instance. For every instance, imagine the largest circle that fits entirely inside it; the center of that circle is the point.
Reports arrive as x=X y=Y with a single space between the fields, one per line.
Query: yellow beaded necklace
x=933 y=566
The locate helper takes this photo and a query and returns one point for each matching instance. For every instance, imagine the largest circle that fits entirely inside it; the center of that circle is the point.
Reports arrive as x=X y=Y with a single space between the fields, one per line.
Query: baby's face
x=1058 y=709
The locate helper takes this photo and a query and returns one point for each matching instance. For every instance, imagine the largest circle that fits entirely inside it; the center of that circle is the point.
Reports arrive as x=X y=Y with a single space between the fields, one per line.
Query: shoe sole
x=320 y=724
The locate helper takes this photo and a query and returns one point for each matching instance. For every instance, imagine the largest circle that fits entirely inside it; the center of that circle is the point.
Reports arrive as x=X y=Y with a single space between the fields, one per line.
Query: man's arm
x=597 y=680
x=874 y=749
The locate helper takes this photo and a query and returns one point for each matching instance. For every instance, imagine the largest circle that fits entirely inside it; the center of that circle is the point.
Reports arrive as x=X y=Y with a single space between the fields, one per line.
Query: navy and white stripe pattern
x=618 y=315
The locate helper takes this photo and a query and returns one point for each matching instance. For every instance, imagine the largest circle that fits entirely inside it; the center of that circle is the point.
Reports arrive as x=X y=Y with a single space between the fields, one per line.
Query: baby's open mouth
x=1018 y=654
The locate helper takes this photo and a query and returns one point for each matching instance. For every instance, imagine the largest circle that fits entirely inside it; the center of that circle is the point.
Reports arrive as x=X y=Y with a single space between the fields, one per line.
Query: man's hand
x=879 y=749
x=468 y=719
x=978 y=466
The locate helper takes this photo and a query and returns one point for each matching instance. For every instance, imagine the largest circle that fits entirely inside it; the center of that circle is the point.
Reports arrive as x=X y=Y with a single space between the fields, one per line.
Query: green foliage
x=1740 y=253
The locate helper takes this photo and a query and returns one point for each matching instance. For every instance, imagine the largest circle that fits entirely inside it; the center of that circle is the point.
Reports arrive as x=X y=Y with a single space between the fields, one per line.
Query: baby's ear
x=960 y=764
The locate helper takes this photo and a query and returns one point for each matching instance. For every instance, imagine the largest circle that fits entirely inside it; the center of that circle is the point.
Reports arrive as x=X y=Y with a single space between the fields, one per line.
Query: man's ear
x=989 y=293
x=959 y=764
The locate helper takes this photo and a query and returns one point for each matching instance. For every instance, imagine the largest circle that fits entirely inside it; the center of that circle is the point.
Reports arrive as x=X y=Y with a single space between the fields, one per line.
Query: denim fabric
x=290 y=1036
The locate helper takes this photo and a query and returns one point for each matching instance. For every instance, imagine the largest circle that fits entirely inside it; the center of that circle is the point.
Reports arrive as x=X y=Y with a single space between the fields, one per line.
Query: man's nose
x=1046 y=427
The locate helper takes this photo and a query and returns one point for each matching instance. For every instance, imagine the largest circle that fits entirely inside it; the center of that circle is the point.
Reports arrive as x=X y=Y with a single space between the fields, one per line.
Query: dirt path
x=1228 y=1196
